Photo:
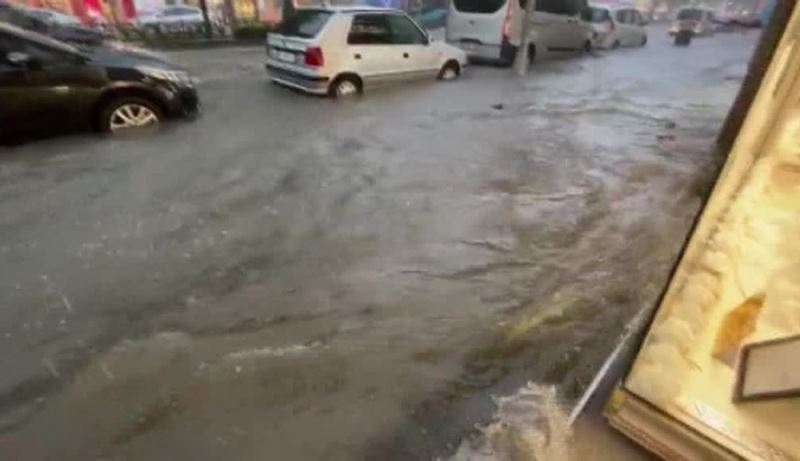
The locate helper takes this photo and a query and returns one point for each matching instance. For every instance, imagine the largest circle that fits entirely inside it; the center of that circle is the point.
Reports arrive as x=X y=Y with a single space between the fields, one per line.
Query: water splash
x=528 y=425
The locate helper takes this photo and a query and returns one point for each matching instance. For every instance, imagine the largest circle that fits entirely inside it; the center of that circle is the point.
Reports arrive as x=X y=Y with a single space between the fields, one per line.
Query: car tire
x=345 y=86
x=531 y=54
x=587 y=46
x=127 y=113
x=615 y=45
x=449 y=71
x=644 y=41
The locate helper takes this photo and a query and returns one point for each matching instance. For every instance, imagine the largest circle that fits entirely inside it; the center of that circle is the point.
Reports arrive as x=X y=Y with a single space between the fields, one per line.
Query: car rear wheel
x=345 y=86
x=128 y=114
x=644 y=41
x=615 y=45
x=450 y=71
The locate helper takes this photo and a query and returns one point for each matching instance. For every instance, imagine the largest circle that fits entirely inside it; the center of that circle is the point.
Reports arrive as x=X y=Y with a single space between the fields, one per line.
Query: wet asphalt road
x=293 y=278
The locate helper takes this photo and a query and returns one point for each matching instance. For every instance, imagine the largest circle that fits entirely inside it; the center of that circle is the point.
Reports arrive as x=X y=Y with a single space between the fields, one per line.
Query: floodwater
x=292 y=278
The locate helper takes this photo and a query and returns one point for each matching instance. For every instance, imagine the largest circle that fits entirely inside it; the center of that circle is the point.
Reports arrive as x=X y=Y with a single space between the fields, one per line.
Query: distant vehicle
x=341 y=51
x=54 y=17
x=56 y=25
x=699 y=20
x=175 y=15
x=615 y=26
x=49 y=86
x=489 y=29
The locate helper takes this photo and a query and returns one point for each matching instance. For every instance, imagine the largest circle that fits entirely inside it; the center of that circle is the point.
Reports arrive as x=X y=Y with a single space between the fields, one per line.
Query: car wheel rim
x=132 y=115
x=346 y=88
x=449 y=74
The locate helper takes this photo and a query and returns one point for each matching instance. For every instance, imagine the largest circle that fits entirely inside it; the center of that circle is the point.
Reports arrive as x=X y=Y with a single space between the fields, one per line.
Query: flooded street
x=294 y=278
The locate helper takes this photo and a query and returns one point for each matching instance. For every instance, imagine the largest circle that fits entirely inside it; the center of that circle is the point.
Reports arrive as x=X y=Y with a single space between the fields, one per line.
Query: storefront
x=718 y=374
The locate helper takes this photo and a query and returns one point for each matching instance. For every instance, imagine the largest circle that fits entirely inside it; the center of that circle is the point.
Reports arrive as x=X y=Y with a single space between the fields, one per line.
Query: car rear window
x=595 y=15
x=690 y=15
x=304 y=23
x=478 y=6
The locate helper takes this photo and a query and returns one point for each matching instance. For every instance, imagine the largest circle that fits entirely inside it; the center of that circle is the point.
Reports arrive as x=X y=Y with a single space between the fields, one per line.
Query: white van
x=489 y=29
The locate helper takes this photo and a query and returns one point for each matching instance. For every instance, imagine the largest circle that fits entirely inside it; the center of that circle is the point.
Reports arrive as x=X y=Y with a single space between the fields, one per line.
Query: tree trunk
x=521 y=60
x=256 y=11
x=287 y=10
x=230 y=14
x=206 y=21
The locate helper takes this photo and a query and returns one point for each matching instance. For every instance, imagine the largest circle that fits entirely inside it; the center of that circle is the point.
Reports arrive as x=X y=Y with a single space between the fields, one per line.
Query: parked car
x=699 y=20
x=432 y=18
x=614 y=26
x=58 y=26
x=53 y=17
x=176 y=15
x=489 y=29
x=50 y=86
x=341 y=51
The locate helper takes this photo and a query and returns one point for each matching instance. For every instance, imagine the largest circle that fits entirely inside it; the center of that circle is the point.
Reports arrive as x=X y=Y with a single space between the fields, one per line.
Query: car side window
x=5 y=48
x=620 y=16
x=369 y=29
x=47 y=57
x=404 y=32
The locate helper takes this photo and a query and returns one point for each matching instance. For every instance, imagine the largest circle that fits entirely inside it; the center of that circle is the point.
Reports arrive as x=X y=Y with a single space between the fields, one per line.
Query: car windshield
x=304 y=23
x=593 y=14
x=690 y=15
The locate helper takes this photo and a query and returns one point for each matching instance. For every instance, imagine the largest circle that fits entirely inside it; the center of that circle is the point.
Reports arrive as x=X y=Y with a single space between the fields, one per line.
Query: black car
x=35 y=22
x=49 y=86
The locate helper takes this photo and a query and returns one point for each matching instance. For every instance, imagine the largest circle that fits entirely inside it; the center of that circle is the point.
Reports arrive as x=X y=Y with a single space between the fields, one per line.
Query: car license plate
x=283 y=55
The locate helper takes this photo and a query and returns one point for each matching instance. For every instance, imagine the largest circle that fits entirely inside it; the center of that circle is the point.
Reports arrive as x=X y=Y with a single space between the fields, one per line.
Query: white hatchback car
x=342 y=50
x=614 y=26
x=186 y=15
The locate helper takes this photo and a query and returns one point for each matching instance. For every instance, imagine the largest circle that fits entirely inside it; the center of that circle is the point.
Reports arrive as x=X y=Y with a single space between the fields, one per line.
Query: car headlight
x=174 y=76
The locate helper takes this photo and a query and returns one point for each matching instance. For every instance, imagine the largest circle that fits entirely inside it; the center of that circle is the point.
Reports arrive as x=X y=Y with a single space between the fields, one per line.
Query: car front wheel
x=129 y=113
x=450 y=71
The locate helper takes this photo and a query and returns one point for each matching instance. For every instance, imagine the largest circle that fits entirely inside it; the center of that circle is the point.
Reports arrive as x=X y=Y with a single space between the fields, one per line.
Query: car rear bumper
x=316 y=84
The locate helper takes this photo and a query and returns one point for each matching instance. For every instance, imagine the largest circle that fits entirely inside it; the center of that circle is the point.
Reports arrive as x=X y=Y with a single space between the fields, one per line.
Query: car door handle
x=357 y=56
x=405 y=55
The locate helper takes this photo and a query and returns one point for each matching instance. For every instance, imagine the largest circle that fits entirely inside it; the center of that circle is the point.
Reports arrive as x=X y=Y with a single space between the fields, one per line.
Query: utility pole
x=521 y=61
x=287 y=10
x=206 y=21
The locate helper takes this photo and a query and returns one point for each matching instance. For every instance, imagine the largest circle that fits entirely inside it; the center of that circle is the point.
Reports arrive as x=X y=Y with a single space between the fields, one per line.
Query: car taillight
x=314 y=57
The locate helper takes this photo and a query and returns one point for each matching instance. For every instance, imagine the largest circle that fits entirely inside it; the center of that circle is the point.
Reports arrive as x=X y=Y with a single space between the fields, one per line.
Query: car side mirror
x=23 y=60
